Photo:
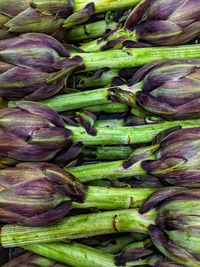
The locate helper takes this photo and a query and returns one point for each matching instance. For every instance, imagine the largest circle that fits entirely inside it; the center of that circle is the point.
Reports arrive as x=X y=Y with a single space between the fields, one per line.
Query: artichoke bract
x=28 y=62
x=37 y=193
x=32 y=132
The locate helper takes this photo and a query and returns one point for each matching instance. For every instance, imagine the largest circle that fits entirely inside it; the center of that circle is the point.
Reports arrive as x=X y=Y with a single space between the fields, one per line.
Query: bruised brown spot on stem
x=115 y=223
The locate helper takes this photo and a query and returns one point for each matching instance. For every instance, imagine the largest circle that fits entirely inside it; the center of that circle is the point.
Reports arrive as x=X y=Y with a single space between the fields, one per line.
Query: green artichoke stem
x=137 y=57
x=80 y=226
x=109 y=170
x=97 y=45
x=108 y=108
x=87 y=98
x=74 y=254
x=105 y=5
x=89 y=31
x=126 y=135
x=107 y=152
x=113 y=198
x=109 y=123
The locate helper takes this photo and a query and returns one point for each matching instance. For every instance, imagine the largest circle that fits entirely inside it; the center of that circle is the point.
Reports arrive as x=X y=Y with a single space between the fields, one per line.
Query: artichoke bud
x=31 y=66
x=170 y=89
x=40 y=16
x=37 y=193
x=161 y=22
x=176 y=232
x=32 y=132
x=177 y=160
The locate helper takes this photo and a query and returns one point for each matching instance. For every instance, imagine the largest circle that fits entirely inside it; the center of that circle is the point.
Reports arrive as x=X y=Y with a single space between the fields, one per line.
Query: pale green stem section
x=105 y=5
x=80 y=226
x=78 y=100
x=127 y=135
x=87 y=98
x=89 y=31
x=109 y=123
x=110 y=170
x=74 y=254
x=114 y=198
x=97 y=45
x=108 y=108
x=137 y=57
x=107 y=152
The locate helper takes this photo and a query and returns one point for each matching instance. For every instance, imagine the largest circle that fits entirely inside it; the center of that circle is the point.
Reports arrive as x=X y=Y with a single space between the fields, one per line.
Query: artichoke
x=31 y=132
x=161 y=22
x=175 y=233
x=170 y=89
x=30 y=66
x=37 y=194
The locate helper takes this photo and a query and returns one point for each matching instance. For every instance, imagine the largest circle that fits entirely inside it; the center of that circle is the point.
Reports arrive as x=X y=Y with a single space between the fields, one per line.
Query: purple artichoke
x=31 y=66
x=32 y=132
x=170 y=89
x=176 y=229
x=43 y=16
x=37 y=193
x=177 y=158
x=161 y=22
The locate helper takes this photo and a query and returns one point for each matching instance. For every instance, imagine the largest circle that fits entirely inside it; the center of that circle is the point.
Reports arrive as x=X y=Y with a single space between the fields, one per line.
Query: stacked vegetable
x=100 y=138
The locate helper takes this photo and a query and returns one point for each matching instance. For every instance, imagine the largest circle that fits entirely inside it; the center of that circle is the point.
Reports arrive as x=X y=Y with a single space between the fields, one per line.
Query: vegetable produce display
x=99 y=133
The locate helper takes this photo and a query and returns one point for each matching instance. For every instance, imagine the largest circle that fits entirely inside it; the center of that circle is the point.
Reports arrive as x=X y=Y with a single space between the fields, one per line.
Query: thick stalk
x=109 y=170
x=114 y=198
x=108 y=108
x=109 y=123
x=126 y=135
x=74 y=254
x=80 y=226
x=107 y=152
x=105 y=5
x=89 y=31
x=137 y=57
x=87 y=98
x=98 y=45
